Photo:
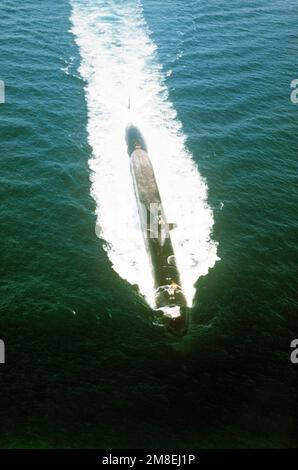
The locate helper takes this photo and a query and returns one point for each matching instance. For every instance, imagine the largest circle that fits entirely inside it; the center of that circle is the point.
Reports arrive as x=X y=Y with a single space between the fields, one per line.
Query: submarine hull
x=169 y=296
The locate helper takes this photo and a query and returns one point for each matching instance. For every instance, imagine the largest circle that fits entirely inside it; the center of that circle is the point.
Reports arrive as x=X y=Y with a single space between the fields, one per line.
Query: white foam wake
x=118 y=62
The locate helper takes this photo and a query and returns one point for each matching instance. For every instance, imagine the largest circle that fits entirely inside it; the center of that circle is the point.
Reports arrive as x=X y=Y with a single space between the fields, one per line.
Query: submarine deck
x=145 y=178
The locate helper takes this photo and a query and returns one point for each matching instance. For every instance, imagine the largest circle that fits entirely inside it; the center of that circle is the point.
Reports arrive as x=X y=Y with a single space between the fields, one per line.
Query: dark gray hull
x=169 y=296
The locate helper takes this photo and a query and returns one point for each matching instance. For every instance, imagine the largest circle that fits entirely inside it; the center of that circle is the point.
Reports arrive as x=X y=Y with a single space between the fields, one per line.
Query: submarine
x=169 y=298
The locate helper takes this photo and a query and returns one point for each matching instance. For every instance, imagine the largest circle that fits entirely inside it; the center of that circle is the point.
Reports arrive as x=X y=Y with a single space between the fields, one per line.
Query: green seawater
x=85 y=364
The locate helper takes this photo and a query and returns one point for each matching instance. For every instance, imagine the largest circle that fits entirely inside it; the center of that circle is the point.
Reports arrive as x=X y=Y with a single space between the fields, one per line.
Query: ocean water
x=121 y=67
x=209 y=85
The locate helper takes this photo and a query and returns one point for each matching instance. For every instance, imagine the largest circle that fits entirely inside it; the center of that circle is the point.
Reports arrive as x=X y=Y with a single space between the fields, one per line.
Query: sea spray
x=119 y=65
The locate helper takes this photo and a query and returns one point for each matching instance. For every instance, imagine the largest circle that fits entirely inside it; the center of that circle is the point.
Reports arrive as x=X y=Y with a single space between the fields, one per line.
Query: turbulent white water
x=118 y=62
